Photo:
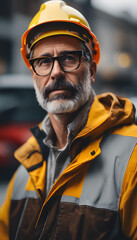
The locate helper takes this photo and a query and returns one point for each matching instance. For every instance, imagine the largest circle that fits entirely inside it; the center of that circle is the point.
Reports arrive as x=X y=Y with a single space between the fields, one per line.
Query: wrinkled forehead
x=59 y=43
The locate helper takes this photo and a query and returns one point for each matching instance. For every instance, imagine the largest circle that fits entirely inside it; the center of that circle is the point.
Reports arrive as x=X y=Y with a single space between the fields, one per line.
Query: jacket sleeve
x=5 y=212
x=128 y=201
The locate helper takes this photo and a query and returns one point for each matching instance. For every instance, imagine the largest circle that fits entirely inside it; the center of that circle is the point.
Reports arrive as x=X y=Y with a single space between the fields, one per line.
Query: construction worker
x=78 y=172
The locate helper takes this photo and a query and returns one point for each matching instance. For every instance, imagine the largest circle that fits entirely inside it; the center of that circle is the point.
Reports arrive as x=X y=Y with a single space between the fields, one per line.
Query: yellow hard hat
x=57 y=18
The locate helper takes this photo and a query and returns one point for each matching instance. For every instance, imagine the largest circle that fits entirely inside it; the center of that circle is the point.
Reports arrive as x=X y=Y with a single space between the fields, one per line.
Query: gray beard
x=83 y=91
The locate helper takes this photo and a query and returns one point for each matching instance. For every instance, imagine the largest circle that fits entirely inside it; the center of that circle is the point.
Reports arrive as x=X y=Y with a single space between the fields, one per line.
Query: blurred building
x=117 y=34
x=14 y=18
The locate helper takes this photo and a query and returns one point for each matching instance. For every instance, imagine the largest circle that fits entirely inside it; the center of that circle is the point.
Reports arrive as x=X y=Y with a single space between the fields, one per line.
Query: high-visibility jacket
x=96 y=195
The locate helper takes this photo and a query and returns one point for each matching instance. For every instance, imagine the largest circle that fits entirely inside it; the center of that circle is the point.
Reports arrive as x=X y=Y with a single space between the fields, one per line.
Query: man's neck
x=59 y=123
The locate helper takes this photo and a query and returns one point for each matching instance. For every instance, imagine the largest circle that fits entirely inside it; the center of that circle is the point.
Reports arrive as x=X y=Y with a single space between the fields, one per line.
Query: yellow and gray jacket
x=96 y=195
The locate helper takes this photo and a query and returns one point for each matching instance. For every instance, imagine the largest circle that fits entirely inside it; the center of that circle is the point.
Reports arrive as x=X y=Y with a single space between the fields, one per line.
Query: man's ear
x=93 y=68
x=32 y=72
x=33 y=75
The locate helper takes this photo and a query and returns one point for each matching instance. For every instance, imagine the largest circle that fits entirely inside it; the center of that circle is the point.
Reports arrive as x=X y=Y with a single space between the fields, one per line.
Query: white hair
x=83 y=93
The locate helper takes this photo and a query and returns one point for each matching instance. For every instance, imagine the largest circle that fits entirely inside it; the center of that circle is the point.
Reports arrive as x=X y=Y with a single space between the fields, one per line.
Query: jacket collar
x=106 y=113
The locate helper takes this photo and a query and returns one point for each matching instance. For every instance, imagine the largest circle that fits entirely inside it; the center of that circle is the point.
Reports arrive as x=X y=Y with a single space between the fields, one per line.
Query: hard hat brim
x=66 y=27
x=56 y=33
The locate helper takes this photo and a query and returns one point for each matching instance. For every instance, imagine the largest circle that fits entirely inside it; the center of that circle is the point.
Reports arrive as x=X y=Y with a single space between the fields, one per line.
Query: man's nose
x=56 y=70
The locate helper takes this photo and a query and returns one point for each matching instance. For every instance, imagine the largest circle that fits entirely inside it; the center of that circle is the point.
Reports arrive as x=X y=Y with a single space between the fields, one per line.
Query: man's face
x=62 y=92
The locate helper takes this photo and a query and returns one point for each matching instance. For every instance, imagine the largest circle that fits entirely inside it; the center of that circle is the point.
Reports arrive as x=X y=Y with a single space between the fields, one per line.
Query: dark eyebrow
x=68 y=51
x=65 y=52
x=60 y=53
x=45 y=55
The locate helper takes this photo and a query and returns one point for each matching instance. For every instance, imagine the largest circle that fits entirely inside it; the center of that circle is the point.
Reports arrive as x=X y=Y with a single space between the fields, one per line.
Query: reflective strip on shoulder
x=103 y=181
x=20 y=183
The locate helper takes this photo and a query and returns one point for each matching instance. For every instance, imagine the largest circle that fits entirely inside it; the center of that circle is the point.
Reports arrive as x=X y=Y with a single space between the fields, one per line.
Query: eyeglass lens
x=68 y=62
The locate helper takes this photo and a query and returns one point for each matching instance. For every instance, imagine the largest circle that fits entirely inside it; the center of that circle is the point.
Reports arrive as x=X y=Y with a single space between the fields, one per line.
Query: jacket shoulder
x=126 y=130
x=20 y=189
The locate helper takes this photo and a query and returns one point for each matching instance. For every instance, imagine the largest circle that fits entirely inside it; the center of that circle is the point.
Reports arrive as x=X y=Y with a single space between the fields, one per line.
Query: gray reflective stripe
x=69 y=199
x=26 y=201
x=21 y=180
x=103 y=182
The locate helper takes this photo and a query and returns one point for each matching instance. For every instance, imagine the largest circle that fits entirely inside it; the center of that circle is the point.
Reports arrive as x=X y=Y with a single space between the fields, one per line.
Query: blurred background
x=115 y=25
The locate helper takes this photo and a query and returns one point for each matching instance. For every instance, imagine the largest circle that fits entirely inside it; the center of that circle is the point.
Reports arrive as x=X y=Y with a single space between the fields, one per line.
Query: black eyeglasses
x=68 y=61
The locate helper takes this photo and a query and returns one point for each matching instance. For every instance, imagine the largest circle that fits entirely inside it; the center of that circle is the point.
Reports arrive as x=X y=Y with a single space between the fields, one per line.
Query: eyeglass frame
x=81 y=53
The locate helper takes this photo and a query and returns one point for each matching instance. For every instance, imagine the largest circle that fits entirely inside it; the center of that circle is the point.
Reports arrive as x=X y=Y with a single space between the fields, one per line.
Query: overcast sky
x=118 y=7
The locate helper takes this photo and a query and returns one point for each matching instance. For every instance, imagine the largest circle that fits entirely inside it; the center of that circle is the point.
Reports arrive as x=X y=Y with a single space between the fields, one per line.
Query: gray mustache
x=60 y=84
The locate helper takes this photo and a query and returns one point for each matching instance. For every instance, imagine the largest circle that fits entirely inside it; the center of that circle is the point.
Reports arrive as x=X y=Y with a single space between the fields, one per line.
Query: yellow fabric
x=38 y=177
x=128 y=200
x=107 y=112
x=24 y=151
x=4 y=213
x=125 y=131
x=71 y=187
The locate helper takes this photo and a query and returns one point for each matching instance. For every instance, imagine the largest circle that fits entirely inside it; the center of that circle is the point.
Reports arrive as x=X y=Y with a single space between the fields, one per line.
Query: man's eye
x=43 y=62
x=69 y=58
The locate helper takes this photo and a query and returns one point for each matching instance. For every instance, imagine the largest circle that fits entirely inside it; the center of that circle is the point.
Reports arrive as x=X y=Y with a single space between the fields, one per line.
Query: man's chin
x=58 y=106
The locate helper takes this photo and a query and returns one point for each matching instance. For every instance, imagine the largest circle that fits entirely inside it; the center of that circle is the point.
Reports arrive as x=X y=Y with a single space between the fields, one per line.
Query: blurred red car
x=19 y=111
